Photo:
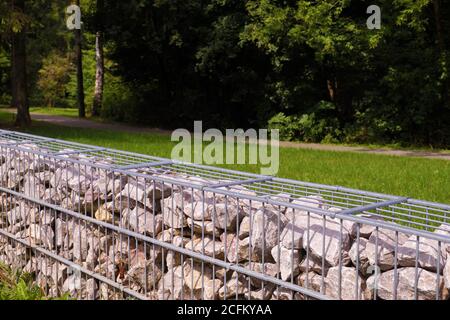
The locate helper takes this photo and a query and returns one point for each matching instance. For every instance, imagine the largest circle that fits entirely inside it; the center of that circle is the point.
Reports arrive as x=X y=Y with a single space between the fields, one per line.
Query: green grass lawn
x=426 y=179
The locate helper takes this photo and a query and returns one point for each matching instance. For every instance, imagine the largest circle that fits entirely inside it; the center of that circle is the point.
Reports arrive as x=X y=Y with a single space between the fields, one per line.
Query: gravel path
x=85 y=123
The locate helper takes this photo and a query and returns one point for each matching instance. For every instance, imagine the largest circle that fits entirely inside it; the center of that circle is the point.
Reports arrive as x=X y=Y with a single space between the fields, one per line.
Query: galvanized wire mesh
x=108 y=224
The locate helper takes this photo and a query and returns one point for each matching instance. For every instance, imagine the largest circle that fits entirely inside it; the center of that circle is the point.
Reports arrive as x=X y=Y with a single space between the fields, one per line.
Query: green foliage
x=5 y=66
x=15 y=285
x=312 y=127
x=234 y=63
x=53 y=78
x=119 y=101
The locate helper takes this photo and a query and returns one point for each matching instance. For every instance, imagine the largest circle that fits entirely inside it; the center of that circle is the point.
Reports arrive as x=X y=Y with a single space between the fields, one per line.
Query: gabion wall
x=104 y=224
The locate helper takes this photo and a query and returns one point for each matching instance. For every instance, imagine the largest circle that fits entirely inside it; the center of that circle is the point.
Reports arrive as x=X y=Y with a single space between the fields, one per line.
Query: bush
x=312 y=127
x=119 y=102
x=54 y=78
x=17 y=285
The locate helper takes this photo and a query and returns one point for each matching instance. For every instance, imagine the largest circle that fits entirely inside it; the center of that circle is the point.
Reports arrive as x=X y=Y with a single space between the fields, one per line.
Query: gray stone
x=428 y=255
x=312 y=281
x=268 y=269
x=266 y=231
x=32 y=187
x=18 y=214
x=365 y=230
x=447 y=274
x=202 y=227
x=288 y=261
x=334 y=238
x=173 y=258
x=236 y=286
x=343 y=283
x=208 y=246
x=238 y=250
x=41 y=235
x=312 y=265
x=244 y=228
x=383 y=242
x=405 y=290
x=212 y=287
x=195 y=275
x=314 y=202
x=172 y=286
x=284 y=294
x=226 y=216
x=79 y=235
x=91 y=289
x=143 y=221
x=174 y=217
x=261 y=294
x=144 y=274
x=358 y=255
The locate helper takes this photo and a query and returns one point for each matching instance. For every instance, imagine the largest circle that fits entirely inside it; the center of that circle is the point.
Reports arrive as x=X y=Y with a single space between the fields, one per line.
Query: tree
x=53 y=77
x=79 y=65
x=99 y=58
x=440 y=33
x=19 y=65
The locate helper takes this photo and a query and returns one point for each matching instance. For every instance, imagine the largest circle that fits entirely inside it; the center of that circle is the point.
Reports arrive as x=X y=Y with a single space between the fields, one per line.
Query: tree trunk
x=99 y=75
x=79 y=62
x=19 y=72
x=440 y=34
x=100 y=64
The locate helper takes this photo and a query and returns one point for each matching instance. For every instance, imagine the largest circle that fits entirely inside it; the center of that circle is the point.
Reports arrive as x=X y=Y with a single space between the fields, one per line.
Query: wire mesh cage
x=105 y=224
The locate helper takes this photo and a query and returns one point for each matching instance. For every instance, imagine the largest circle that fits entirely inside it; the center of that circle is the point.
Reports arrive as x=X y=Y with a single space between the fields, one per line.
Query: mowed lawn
x=426 y=179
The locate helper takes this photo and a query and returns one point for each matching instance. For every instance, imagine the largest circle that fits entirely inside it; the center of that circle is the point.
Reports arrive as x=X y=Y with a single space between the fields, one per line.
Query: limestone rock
x=237 y=250
x=268 y=269
x=447 y=274
x=428 y=257
x=405 y=289
x=226 y=216
x=145 y=274
x=383 y=242
x=236 y=286
x=347 y=285
x=358 y=255
x=330 y=238
x=202 y=227
x=266 y=231
x=208 y=246
x=196 y=274
x=288 y=261
x=244 y=228
x=312 y=281
x=41 y=235
x=103 y=214
x=174 y=217
x=143 y=221
x=312 y=265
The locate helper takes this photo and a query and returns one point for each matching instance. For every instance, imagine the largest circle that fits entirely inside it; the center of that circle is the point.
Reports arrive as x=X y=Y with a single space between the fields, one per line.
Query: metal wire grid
x=121 y=159
x=264 y=186
x=418 y=218
x=151 y=248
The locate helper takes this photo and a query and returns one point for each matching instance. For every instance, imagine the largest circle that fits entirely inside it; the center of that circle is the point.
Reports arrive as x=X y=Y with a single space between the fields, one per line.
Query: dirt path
x=89 y=124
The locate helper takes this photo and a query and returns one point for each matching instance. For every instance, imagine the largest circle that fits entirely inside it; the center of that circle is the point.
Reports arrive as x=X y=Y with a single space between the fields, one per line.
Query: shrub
x=311 y=127
x=54 y=78
x=18 y=285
